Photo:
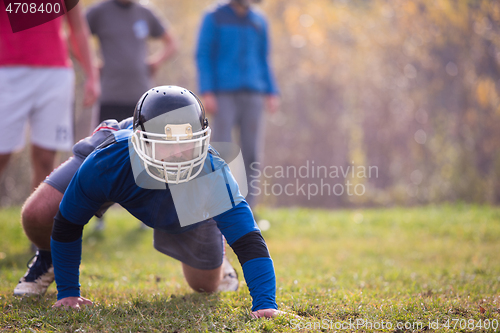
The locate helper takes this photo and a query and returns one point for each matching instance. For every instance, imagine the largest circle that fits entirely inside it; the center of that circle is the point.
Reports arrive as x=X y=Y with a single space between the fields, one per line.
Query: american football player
x=165 y=173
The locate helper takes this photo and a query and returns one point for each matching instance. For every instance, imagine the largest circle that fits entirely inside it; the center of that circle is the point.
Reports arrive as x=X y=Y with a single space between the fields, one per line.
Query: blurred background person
x=37 y=88
x=372 y=97
x=235 y=78
x=123 y=28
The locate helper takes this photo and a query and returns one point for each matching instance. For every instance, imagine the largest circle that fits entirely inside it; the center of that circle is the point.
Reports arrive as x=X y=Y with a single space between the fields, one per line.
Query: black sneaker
x=39 y=276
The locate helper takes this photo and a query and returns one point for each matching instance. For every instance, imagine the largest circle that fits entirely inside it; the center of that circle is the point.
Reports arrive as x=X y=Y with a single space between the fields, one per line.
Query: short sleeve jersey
x=123 y=31
x=40 y=46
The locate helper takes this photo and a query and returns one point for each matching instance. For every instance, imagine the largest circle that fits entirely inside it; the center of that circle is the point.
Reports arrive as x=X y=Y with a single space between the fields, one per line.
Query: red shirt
x=40 y=46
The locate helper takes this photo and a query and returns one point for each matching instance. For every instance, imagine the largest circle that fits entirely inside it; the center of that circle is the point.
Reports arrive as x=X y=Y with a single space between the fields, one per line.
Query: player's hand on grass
x=72 y=302
x=268 y=313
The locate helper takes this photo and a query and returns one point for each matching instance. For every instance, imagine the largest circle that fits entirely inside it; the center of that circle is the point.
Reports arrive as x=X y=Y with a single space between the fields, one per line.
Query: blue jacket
x=232 y=52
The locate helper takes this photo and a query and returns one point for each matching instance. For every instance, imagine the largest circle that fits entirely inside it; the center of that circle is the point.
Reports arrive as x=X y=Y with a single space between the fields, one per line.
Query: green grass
x=408 y=266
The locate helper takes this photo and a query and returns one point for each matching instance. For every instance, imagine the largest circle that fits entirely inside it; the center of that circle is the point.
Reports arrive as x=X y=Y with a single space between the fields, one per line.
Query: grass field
x=432 y=269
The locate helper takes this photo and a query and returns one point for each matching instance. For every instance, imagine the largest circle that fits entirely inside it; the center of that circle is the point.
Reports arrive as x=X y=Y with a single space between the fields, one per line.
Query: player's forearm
x=169 y=48
x=79 y=42
x=242 y=234
x=261 y=282
x=83 y=54
x=258 y=270
x=66 y=267
x=66 y=246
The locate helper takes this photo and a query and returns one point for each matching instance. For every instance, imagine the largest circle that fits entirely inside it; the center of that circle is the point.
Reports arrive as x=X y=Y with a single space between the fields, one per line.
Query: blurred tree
x=411 y=87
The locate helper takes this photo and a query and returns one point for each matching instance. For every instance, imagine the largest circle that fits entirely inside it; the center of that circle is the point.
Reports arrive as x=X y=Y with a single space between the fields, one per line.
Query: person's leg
x=43 y=164
x=51 y=119
x=201 y=252
x=4 y=160
x=223 y=121
x=16 y=91
x=37 y=215
x=37 y=218
x=250 y=109
x=202 y=280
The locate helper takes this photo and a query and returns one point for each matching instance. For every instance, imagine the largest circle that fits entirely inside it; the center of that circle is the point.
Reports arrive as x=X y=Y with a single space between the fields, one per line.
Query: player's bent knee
x=29 y=211
x=41 y=206
x=202 y=280
x=208 y=284
x=209 y=287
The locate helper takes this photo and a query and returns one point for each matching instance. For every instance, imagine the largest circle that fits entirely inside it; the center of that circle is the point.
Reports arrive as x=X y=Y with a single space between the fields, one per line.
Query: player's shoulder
x=102 y=133
x=224 y=152
x=118 y=139
x=215 y=157
x=110 y=157
x=213 y=162
x=212 y=151
x=126 y=123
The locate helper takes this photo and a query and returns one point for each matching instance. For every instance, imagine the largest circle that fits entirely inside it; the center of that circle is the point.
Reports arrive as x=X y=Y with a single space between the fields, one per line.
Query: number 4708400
x=471 y=324
x=18 y=7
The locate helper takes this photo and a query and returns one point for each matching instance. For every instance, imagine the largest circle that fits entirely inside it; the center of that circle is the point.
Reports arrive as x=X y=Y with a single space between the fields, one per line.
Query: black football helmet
x=171 y=134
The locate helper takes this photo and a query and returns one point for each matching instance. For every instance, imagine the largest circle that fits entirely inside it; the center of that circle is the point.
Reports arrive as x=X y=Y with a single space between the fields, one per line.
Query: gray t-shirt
x=122 y=31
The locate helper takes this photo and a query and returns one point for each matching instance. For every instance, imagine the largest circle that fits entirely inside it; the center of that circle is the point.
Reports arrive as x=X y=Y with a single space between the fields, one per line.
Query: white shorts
x=40 y=97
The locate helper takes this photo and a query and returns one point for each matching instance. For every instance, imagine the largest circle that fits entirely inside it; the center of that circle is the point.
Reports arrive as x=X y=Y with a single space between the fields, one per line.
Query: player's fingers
x=86 y=301
x=267 y=313
x=271 y=313
x=63 y=305
x=72 y=302
x=57 y=304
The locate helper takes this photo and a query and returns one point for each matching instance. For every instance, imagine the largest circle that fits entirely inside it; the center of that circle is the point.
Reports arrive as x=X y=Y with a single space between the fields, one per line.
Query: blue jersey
x=108 y=175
